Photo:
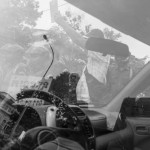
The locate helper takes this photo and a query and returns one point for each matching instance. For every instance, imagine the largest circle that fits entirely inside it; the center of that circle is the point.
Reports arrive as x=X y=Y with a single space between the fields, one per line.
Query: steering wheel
x=40 y=135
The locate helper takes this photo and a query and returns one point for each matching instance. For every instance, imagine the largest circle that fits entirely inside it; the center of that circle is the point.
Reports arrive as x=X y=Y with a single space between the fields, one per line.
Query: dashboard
x=50 y=115
x=93 y=123
x=64 y=118
x=55 y=114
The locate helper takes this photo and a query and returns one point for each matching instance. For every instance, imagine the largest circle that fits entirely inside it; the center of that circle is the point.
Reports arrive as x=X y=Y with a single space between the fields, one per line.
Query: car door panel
x=116 y=140
x=137 y=114
x=141 y=130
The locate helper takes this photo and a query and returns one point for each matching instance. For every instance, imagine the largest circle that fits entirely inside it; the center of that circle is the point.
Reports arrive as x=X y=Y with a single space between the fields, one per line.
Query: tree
x=18 y=13
x=60 y=86
x=15 y=16
x=76 y=22
x=64 y=86
x=110 y=34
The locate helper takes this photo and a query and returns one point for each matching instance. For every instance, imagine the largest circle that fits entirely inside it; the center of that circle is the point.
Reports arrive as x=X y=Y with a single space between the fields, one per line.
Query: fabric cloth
x=97 y=65
x=93 y=79
x=82 y=88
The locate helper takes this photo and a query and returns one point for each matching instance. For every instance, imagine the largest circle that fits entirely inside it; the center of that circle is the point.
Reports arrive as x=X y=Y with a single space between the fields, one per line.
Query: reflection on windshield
x=90 y=65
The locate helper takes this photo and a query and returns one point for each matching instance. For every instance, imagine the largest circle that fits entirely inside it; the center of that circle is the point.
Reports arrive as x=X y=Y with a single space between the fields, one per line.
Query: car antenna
x=46 y=39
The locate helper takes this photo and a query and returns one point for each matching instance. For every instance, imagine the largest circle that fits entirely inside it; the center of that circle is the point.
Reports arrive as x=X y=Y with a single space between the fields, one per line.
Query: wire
x=45 y=37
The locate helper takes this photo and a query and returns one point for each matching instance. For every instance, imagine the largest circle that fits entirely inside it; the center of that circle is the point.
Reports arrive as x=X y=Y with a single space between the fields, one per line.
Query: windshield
x=55 y=47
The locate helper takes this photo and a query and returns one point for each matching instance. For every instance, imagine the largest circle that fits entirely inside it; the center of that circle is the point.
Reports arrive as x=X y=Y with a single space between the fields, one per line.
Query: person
x=39 y=57
x=67 y=55
x=37 y=61
x=119 y=74
x=99 y=52
x=10 y=56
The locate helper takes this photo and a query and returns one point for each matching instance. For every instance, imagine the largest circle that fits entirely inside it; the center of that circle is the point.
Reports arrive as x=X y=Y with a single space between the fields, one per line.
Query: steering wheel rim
x=30 y=140
x=45 y=134
x=49 y=99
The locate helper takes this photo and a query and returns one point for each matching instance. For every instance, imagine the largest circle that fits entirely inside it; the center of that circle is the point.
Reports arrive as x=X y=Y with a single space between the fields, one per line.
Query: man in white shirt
x=93 y=82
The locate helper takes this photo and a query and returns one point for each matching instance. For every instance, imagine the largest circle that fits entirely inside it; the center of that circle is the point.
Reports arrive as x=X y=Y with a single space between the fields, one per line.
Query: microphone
x=45 y=37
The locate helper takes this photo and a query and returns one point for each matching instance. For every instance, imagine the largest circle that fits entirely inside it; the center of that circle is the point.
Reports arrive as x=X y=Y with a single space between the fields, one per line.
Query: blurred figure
x=94 y=73
x=119 y=74
x=67 y=54
x=29 y=74
x=38 y=60
x=10 y=56
x=93 y=84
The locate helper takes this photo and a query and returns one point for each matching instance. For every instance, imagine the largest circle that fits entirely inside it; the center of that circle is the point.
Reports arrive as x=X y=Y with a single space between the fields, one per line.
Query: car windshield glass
x=56 y=47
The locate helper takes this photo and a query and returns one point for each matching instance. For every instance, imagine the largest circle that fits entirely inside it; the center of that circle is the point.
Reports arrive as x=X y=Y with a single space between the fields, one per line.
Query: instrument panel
x=70 y=117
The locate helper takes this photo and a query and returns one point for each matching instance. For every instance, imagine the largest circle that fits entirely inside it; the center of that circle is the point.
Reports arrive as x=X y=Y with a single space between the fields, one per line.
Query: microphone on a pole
x=46 y=38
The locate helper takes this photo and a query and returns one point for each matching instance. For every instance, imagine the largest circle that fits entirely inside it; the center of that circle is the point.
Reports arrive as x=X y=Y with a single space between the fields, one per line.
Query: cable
x=26 y=106
x=45 y=38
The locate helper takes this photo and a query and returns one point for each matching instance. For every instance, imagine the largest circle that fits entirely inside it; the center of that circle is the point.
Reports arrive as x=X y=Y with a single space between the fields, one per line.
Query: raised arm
x=76 y=37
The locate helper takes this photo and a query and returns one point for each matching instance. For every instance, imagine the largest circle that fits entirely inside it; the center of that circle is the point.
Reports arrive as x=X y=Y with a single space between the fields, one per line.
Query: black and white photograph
x=74 y=74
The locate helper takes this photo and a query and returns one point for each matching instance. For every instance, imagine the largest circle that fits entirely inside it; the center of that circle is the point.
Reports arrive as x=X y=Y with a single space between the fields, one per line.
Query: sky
x=136 y=47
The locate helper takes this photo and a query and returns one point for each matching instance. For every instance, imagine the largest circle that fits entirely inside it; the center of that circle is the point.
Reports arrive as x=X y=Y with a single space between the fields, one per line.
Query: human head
x=37 y=56
x=11 y=53
x=96 y=33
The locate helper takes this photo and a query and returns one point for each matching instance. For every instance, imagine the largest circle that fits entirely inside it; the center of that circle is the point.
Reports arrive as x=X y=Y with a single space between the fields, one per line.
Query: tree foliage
x=64 y=86
x=76 y=22
x=19 y=12
x=110 y=34
x=60 y=85
x=16 y=16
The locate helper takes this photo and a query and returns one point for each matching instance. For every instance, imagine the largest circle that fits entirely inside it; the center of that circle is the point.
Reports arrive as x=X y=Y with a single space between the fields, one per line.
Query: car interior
x=131 y=124
x=131 y=130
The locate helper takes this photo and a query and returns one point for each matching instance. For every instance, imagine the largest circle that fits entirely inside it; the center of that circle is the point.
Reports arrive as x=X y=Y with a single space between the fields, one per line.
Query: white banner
x=19 y=82
x=31 y=102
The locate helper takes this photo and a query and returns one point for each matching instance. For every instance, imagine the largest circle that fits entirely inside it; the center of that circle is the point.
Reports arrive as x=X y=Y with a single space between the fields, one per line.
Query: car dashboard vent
x=78 y=112
x=86 y=127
